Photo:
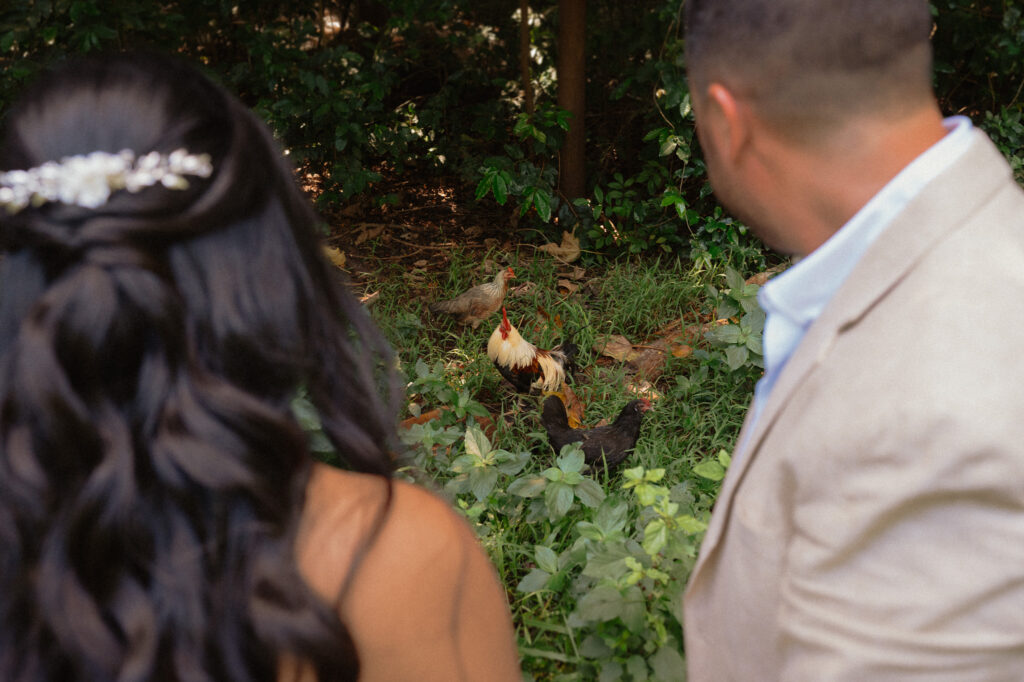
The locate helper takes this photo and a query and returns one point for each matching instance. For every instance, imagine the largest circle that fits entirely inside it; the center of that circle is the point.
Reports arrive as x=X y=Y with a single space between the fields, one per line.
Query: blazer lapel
x=940 y=208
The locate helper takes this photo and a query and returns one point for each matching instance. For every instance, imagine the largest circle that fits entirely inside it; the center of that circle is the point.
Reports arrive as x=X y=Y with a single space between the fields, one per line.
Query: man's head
x=809 y=65
x=805 y=108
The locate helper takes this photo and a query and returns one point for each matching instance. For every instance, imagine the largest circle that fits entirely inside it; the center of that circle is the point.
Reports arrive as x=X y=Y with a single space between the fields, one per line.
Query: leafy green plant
x=1006 y=128
x=718 y=239
x=714 y=469
x=477 y=470
x=631 y=581
x=557 y=487
x=517 y=174
x=740 y=337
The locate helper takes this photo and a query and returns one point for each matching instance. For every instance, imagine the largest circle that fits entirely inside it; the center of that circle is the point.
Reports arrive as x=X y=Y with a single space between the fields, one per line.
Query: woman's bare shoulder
x=424 y=600
x=340 y=520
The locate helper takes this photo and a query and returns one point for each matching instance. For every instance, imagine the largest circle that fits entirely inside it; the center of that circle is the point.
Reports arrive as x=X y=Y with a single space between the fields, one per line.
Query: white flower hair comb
x=87 y=180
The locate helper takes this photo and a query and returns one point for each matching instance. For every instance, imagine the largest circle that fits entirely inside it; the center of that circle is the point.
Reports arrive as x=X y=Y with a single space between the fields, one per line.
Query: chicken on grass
x=525 y=366
x=476 y=304
x=608 y=444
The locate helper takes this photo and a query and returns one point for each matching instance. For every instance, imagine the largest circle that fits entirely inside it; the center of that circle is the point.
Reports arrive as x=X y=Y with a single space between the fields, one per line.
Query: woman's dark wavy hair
x=152 y=475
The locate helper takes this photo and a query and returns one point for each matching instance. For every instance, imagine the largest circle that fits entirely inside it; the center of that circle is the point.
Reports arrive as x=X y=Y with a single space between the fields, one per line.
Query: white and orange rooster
x=524 y=365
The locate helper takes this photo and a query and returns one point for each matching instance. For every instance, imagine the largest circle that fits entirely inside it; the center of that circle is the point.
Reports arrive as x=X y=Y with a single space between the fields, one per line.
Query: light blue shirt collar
x=794 y=299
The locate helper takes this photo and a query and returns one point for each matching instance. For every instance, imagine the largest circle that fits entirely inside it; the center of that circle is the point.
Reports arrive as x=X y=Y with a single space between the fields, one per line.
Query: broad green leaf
x=482 y=188
x=573 y=478
x=710 y=469
x=754 y=319
x=637 y=668
x=736 y=356
x=514 y=463
x=542 y=202
x=602 y=603
x=534 y=581
x=463 y=463
x=589 y=492
x=654 y=475
x=477 y=442
x=611 y=671
x=648 y=493
x=734 y=280
x=632 y=476
x=546 y=558
x=689 y=524
x=571 y=458
x=611 y=516
x=668 y=664
x=726 y=334
x=458 y=485
x=594 y=647
x=607 y=561
x=634 y=608
x=558 y=499
x=528 y=486
x=553 y=474
x=499 y=186
x=724 y=457
x=726 y=309
x=481 y=482
x=655 y=537
x=590 y=531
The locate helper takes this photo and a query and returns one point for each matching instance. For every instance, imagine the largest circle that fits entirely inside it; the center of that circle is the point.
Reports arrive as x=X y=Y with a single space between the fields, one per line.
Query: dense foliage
x=363 y=90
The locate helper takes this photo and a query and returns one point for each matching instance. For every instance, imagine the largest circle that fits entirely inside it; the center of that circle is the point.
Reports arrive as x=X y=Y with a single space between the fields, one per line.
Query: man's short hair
x=813 y=62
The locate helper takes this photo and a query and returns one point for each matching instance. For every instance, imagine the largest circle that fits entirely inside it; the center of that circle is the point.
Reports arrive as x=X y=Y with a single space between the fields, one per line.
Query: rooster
x=476 y=304
x=612 y=442
x=524 y=365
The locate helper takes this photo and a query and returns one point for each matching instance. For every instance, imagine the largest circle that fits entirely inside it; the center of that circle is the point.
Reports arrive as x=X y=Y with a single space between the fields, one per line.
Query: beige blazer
x=874 y=527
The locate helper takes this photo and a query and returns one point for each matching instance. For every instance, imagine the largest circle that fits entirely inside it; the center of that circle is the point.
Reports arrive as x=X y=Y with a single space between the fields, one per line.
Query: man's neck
x=822 y=188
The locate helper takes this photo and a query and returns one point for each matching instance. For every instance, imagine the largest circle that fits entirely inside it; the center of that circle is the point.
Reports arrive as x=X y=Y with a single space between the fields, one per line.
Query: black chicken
x=614 y=441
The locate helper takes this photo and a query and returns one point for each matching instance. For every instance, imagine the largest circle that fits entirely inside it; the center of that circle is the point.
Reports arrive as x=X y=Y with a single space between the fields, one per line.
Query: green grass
x=594 y=584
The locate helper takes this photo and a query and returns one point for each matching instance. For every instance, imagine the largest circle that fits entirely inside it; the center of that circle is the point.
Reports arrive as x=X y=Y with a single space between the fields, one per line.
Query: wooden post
x=572 y=81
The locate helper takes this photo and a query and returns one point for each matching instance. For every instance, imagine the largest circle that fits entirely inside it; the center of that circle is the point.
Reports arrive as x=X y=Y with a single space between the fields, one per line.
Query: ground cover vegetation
x=435 y=164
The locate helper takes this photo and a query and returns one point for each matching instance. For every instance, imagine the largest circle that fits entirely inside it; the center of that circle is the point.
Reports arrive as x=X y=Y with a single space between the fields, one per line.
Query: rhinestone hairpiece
x=88 y=179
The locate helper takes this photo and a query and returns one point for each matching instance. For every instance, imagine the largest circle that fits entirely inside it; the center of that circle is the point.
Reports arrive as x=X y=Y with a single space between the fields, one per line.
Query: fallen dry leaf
x=421 y=263
x=617 y=347
x=369 y=231
x=335 y=255
x=567 y=251
x=578 y=273
x=643 y=389
x=569 y=287
x=369 y=299
x=681 y=350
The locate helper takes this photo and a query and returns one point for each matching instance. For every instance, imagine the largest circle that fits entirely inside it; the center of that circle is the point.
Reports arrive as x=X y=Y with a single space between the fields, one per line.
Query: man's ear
x=729 y=122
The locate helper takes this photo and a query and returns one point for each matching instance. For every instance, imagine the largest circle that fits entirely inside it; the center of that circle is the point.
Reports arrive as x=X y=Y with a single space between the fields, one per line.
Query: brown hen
x=476 y=304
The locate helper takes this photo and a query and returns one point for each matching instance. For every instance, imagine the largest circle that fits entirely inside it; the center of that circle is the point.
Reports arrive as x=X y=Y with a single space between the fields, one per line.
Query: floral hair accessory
x=87 y=180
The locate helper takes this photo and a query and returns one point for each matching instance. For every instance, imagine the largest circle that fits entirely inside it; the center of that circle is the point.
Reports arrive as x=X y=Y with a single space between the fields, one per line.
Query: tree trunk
x=572 y=79
x=524 y=55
